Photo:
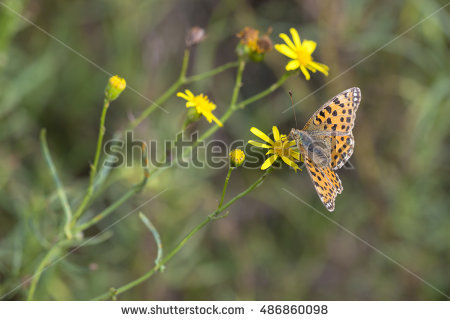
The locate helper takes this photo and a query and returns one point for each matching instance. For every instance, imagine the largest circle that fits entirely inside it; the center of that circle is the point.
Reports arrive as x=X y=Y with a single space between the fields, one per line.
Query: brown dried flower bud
x=194 y=36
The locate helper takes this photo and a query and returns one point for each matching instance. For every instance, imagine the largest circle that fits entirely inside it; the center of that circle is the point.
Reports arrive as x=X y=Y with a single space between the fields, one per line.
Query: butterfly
x=326 y=143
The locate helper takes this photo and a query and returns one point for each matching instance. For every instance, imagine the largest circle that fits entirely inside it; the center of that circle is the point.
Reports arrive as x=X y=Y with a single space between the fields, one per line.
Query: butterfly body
x=326 y=143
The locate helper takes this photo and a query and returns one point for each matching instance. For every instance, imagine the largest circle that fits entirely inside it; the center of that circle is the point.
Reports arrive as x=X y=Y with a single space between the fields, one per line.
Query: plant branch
x=225 y=185
x=267 y=91
x=211 y=73
x=94 y=166
x=155 y=234
x=168 y=257
x=42 y=266
x=182 y=80
x=135 y=189
x=61 y=193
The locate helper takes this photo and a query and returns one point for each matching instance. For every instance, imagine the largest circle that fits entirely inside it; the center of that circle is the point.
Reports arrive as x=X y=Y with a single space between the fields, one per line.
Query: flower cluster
x=255 y=47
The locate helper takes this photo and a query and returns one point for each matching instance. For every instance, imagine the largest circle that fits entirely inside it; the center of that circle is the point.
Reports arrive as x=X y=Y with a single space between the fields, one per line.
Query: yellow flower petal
x=190 y=104
x=291 y=143
x=293 y=65
x=270 y=151
x=189 y=93
x=261 y=135
x=309 y=46
x=183 y=95
x=276 y=133
x=320 y=67
x=287 y=40
x=217 y=121
x=289 y=162
x=295 y=154
x=258 y=144
x=269 y=162
x=305 y=72
x=285 y=50
x=311 y=67
x=295 y=37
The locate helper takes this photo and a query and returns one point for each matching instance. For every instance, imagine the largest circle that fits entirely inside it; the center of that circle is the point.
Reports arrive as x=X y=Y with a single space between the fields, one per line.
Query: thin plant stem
x=182 y=80
x=267 y=91
x=211 y=73
x=166 y=95
x=156 y=236
x=61 y=193
x=225 y=185
x=41 y=267
x=94 y=166
x=211 y=217
x=231 y=108
x=135 y=189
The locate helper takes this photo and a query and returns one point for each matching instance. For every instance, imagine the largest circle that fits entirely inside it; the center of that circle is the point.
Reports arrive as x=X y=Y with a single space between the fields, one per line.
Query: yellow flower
x=300 y=53
x=202 y=105
x=237 y=157
x=280 y=147
x=114 y=87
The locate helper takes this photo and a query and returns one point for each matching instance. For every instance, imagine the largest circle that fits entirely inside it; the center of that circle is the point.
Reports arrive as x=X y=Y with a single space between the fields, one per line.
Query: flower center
x=202 y=104
x=303 y=56
x=279 y=148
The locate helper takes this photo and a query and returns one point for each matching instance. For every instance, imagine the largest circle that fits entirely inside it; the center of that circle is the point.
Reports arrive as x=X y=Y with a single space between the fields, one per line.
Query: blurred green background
x=271 y=246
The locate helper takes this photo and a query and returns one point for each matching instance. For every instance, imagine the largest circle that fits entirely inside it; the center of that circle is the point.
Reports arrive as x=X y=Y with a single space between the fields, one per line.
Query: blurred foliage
x=271 y=246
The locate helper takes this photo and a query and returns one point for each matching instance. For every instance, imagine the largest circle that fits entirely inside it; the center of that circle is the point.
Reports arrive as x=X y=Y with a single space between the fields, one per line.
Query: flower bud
x=114 y=87
x=252 y=44
x=237 y=157
x=192 y=116
x=194 y=36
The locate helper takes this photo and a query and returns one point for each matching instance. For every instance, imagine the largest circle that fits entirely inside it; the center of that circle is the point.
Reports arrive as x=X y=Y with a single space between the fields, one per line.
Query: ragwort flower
x=202 y=105
x=301 y=54
x=279 y=147
x=252 y=44
x=237 y=157
x=114 y=87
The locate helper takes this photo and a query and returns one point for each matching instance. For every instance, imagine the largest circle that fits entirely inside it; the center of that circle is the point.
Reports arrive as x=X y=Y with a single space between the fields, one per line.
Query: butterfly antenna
x=293 y=108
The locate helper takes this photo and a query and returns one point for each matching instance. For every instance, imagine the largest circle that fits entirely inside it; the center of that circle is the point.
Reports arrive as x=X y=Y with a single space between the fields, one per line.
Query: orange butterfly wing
x=341 y=150
x=336 y=116
x=326 y=182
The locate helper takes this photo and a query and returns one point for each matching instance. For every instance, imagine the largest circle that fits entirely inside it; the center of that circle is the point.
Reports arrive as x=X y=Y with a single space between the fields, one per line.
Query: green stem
x=225 y=186
x=111 y=208
x=182 y=80
x=237 y=84
x=267 y=91
x=94 y=166
x=42 y=266
x=230 y=111
x=168 y=257
x=212 y=72
x=61 y=193
x=231 y=108
x=166 y=95
x=156 y=236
